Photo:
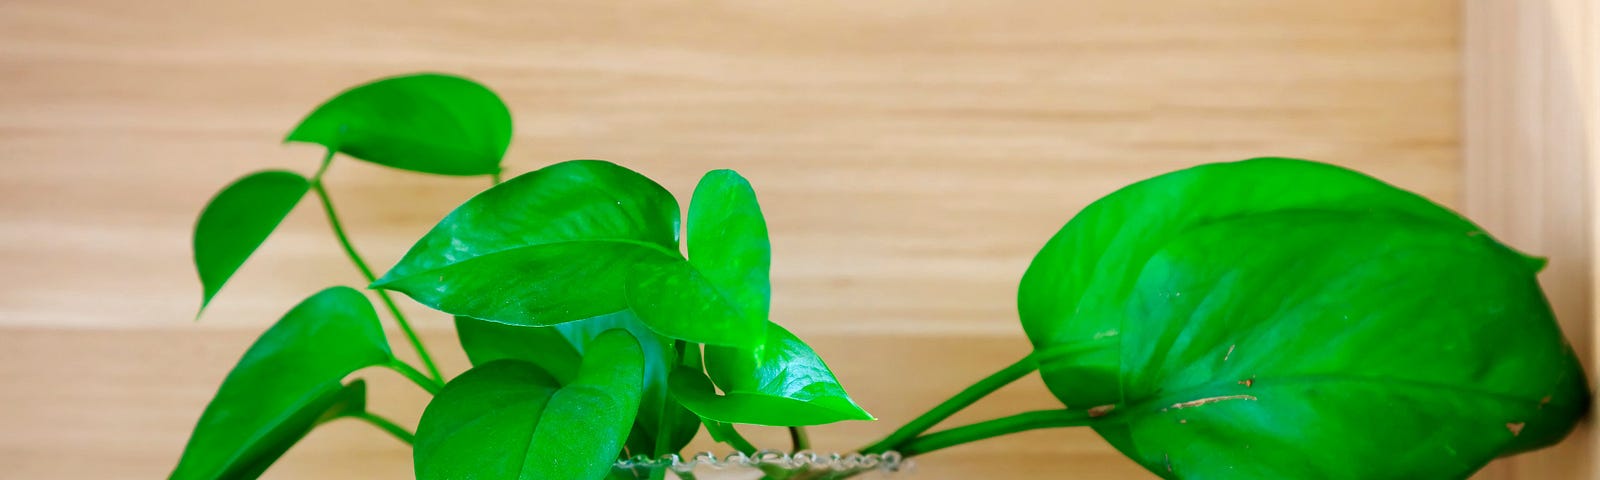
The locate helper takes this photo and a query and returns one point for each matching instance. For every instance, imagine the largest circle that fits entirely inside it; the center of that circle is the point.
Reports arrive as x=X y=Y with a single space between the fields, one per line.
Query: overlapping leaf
x=509 y=420
x=430 y=123
x=783 y=383
x=286 y=383
x=238 y=220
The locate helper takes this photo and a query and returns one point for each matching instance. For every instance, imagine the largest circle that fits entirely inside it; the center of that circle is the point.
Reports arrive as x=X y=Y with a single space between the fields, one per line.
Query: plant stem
x=799 y=438
x=955 y=404
x=350 y=251
x=495 y=177
x=429 y=384
x=387 y=426
x=993 y=428
x=725 y=433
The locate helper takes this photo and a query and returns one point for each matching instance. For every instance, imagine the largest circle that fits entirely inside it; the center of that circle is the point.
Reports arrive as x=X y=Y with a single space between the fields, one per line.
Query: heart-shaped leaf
x=238 y=220
x=547 y=247
x=1098 y=253
x=510 y=420
x=1333 y=344
x=781 y=383
x=286 y=382
x=430 y=123
x=558 y=350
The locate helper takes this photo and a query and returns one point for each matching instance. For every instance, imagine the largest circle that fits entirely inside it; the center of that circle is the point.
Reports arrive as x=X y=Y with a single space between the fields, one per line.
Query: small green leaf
x=286 y=382
x=1327 y=344
x=728 y=242
x=509 y=420
x=781 y=383
x=557 y=350
x=238 y=220
x=1098 y=253
x=430 y=123
x=547 y=247
x=677 y=300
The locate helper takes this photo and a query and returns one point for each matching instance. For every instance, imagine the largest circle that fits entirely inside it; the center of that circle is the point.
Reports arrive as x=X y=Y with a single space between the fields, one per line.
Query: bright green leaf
x=430 y=123
x=547 y=247
x=558 y=350
x=677 y=300
x=728 y=242
x=287 y=381
x=1096 y=255
x=781 y=383
x=1326 y=344
x=238 y=220
x=510 y=420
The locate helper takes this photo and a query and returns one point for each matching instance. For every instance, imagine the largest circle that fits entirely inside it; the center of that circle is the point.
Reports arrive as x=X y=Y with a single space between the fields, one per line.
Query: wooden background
x=910 y=155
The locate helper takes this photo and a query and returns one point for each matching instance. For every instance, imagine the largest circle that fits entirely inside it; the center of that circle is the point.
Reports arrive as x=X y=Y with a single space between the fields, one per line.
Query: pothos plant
x=1271 y=318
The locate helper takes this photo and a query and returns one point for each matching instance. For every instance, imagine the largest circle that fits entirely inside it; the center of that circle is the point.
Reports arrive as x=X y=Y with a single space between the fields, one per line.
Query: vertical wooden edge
x=1531 y=162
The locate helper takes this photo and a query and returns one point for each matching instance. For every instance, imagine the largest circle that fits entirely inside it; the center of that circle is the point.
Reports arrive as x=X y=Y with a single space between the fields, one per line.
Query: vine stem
x=993 y=428
x=411 y=372
x=799 y=438
x=955 y=404
x=387 y=426
x=350 y=251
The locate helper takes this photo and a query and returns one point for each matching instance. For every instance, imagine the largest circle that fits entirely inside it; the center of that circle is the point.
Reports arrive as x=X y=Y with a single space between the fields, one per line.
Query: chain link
x=802 y=460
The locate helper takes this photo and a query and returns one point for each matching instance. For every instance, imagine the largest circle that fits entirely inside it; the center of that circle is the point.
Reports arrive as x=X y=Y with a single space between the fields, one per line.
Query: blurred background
x=911 y=157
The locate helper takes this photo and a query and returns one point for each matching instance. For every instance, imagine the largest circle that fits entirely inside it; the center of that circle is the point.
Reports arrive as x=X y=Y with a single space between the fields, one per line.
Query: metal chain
x=802 y=460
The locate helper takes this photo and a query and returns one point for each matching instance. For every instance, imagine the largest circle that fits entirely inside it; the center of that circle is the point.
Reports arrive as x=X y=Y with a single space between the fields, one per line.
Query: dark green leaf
x=557 y=349
x=548 y=247
x=781 y=383
x=237 y=220
x=509 y=420
x=1097 y=254
x=428 y=122
x=286 y=382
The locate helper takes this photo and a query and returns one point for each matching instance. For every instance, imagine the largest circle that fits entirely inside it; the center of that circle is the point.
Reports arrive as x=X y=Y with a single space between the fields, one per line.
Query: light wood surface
x=910 y=155
x=1530 y=159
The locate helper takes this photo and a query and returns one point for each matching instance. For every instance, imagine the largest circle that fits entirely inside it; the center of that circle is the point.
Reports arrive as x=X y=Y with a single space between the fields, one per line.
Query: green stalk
x=993 y=428
x=955 y=404
x=417 y=377
x=799 y=438
x=350 y=251
x=387 y=426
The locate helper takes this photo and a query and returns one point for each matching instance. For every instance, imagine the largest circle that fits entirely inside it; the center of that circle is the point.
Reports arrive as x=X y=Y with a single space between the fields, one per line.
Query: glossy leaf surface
x=510 y=420
x=1285 y=319
x=286 y=382
x=238 y=220
x=430 y=123
x=782 y=383
x=558 y=350
x=1092 y=261
x=547 y=247
x=728 y=243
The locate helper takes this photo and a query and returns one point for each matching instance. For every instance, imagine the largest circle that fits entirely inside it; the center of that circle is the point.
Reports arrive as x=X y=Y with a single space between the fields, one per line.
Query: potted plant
x=1271 y=318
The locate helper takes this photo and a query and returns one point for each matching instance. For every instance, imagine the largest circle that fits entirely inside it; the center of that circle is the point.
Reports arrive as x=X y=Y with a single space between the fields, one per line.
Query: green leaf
x=1096 y=255
x=781 y=383
x=238 y=220
x=428 y=122
x=547 y=247
x=558 y=350
x=286 y=382
x=728 y=243
x=509 y=420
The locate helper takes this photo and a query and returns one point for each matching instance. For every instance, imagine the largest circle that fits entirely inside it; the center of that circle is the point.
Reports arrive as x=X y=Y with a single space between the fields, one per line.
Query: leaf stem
x=387 y=426
x=993 y=428
x=955 y=404
x=799 y=438
x=431 y=385
x=350 y=251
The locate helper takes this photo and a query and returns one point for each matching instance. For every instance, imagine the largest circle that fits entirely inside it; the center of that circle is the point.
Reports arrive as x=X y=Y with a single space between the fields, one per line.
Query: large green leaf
x=1337 y=345
x=728 y=243
x=559 y=350
x=238 y=220
x=510 y=420
x=287 y=381
x=1062 y=299
x=427 y=122
x=547 y=247
x=781 y=383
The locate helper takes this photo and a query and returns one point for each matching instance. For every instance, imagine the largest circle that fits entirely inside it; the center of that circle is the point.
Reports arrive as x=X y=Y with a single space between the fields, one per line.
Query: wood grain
x=911 y=157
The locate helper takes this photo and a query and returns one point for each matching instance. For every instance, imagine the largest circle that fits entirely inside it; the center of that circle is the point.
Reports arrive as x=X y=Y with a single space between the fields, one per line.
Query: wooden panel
x=1530 y=156
x=911 y=157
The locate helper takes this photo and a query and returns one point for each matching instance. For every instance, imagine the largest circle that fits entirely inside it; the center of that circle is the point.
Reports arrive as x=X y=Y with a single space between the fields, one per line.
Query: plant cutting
x=1265 y=319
